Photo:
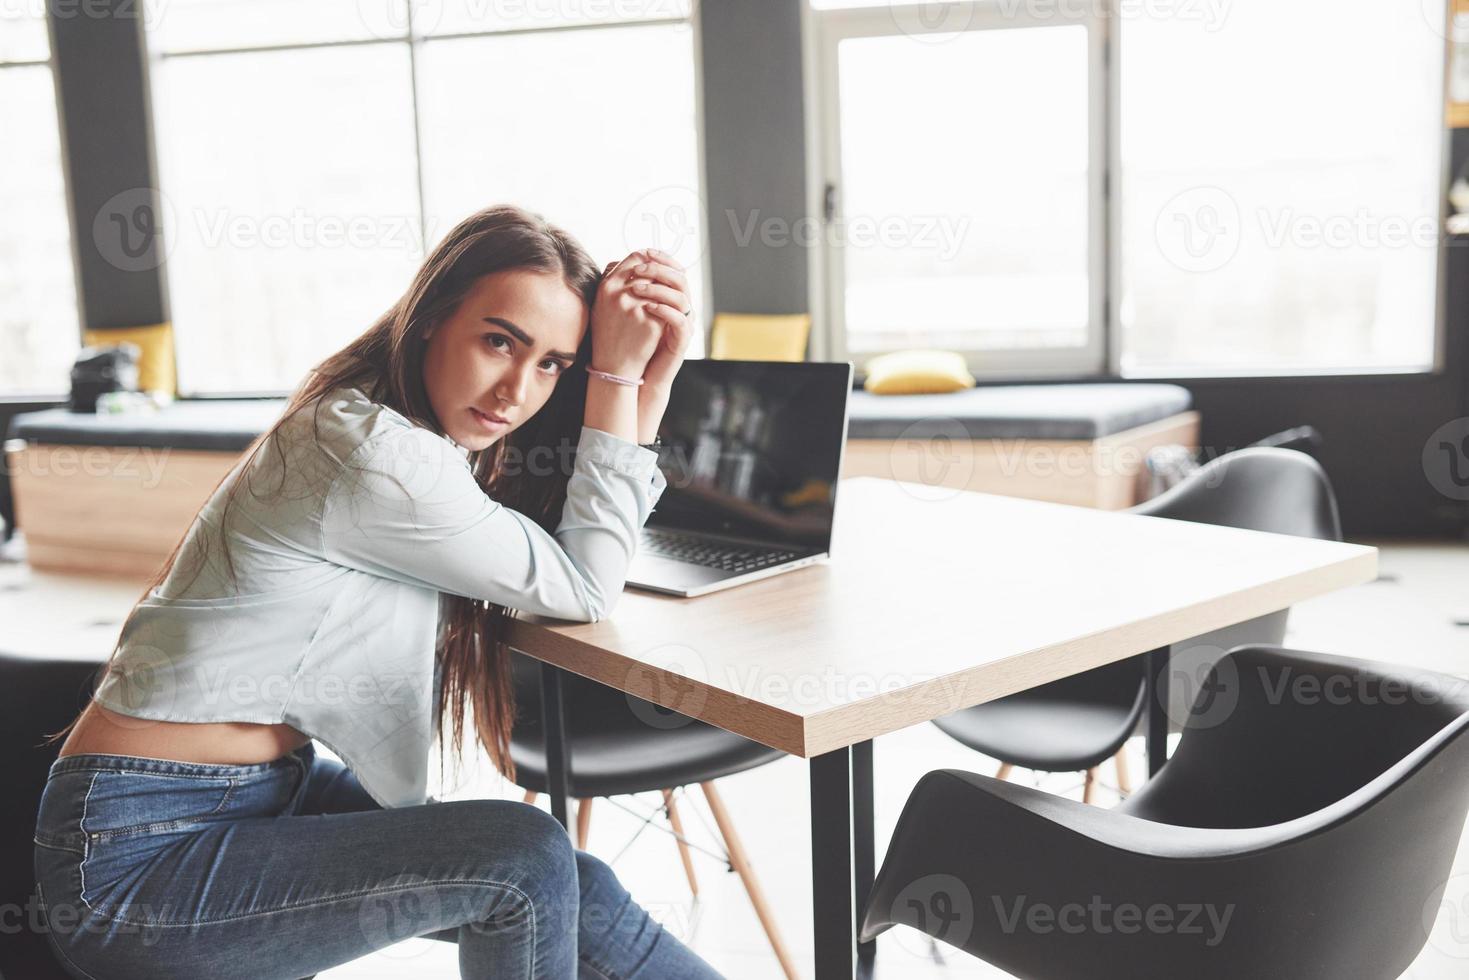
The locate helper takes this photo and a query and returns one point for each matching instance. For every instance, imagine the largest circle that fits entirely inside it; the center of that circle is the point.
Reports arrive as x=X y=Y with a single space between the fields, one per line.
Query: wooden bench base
x=109 y=510
x=1107 y=473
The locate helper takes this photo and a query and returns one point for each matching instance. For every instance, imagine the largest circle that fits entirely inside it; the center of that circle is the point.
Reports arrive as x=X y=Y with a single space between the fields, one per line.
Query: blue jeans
x=155 y=868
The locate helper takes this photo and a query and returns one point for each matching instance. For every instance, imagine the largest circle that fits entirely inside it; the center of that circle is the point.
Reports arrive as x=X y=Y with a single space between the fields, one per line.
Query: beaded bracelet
x=615 y=378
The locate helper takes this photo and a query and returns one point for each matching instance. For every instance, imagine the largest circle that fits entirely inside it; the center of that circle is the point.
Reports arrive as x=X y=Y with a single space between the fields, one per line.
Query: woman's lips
x=489 y=422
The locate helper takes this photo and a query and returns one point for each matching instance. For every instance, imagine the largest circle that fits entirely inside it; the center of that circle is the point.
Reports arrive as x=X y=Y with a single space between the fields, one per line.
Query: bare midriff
x=106 y=732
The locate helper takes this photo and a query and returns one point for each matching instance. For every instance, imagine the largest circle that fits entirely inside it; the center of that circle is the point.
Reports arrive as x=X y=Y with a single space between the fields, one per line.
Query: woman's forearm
x=652 y=402
x=613 y=408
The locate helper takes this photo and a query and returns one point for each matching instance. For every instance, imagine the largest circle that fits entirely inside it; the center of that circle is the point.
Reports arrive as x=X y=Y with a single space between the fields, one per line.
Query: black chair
x=1077 y=723
x=622 y=745
x=37 y=697
x=1305 y=828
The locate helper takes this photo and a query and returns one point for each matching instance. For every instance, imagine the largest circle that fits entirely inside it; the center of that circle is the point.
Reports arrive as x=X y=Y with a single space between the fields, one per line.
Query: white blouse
x=341 y=541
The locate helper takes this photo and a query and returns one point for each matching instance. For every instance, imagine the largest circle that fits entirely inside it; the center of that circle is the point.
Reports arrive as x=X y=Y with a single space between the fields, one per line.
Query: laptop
x=751 y=452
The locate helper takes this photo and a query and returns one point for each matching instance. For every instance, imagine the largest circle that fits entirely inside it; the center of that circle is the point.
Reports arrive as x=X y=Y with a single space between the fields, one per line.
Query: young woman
x=476 y=451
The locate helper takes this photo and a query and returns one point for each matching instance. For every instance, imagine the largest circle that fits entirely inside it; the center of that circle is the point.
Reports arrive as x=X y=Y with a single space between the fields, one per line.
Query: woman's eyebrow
x=524 y=337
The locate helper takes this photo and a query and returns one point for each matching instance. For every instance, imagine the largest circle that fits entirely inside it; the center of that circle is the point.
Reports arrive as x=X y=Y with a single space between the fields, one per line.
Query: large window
x=953 y=218
x=1276 y=173
x=1281 y=182
x=310 y=154
x=39 y=336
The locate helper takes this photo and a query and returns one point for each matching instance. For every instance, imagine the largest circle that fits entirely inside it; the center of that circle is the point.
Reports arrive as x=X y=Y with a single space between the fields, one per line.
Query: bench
x=113 y=494
x=1082 y=444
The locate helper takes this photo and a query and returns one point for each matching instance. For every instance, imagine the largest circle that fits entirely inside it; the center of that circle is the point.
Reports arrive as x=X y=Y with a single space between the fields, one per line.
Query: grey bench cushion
x=223 y=425
x=1082 y=411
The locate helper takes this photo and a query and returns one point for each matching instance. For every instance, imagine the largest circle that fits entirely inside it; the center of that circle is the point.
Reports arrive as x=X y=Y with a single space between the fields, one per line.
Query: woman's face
x=500 y=353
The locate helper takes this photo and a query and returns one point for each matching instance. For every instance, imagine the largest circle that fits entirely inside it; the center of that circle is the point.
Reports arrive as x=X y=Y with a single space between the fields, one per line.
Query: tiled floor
x=1406 y=617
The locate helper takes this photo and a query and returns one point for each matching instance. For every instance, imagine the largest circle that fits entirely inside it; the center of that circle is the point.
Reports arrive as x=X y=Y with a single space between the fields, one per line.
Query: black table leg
x=558 y=757
x=1157 y=715
x=864 y=860
x=831 y=863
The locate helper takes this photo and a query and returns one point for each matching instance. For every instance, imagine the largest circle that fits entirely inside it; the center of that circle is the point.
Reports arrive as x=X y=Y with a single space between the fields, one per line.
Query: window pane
x=963 y=222
x=23 y=32
x=38 y=316
x=617 y=179
x=194 y=25
x=1282 y=217
x=475 y=16
x=293 y=214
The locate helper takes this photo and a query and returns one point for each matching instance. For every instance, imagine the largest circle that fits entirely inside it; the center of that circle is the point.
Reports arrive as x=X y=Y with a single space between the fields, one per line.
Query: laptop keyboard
x=699 y=551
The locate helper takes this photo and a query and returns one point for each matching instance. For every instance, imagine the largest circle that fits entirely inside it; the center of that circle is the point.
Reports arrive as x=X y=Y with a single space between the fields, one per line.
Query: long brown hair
x=387 y=363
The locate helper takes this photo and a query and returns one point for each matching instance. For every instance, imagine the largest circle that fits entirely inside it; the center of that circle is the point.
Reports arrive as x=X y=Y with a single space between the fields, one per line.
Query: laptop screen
x=753 y=449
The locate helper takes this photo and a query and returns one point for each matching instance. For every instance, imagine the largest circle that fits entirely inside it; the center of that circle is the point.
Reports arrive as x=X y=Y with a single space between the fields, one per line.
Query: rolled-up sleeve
x=407 y=507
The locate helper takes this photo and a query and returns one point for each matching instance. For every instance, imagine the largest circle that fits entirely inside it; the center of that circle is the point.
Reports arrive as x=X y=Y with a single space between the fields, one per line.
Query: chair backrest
x=37 y=697
x=1258 y=489
x=1355 y=779
x=1276 y=735
x=759 y=337
x=1263 y=489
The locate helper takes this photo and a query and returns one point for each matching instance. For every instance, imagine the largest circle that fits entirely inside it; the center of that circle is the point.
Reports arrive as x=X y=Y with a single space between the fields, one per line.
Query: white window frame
x=49 y=63
x=1115 y=260
x=823 y=31
x=415 y=41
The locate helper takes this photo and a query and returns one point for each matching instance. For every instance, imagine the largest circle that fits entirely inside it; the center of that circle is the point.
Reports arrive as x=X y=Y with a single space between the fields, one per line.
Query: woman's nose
x=512 y=387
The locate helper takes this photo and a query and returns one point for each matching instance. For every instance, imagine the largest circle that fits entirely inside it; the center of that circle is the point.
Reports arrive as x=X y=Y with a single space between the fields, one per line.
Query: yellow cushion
x=917 y=372
x=155 y=366
x=759 y=337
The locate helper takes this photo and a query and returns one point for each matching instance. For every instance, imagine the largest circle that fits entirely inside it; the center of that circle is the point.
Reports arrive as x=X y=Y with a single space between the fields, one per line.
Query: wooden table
x=933 y=600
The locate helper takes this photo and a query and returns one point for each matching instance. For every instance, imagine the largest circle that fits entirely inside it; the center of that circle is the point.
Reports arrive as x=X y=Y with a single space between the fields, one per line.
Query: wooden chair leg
x=741 y=865
x=530 y=795
x=1091 y=786
x=1124 y=781
x=1005 y=770
x=683 y=847
x=583 y=822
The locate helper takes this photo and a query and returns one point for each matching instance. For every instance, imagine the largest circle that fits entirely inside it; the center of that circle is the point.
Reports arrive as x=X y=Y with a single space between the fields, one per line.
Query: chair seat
x=620 y=744
x=1048 y=734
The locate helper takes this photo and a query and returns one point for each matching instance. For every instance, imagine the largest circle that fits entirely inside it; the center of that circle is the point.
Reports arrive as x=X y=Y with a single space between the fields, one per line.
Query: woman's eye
x=556 y=365
x=492 y=337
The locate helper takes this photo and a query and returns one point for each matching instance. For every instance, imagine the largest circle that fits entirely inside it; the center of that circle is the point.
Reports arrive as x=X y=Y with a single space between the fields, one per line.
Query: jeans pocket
x=121 y=803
